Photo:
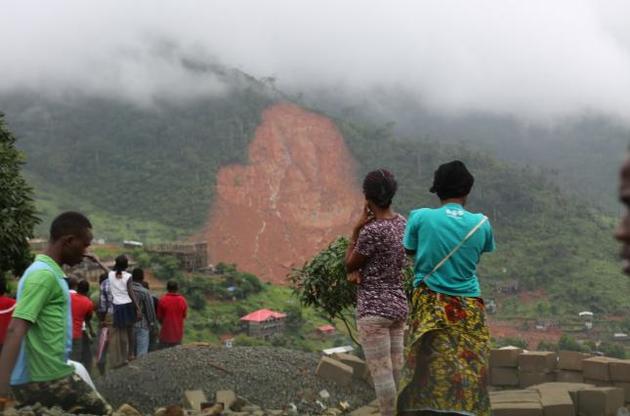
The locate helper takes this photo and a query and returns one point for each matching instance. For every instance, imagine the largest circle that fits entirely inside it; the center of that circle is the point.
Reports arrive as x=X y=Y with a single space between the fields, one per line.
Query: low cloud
x=537 y=60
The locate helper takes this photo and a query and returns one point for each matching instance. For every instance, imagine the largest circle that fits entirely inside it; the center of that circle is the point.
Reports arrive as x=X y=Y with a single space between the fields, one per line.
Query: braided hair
x=379 y=187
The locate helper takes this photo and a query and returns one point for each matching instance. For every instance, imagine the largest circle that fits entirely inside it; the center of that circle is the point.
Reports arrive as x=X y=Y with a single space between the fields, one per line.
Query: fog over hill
x=538 y=61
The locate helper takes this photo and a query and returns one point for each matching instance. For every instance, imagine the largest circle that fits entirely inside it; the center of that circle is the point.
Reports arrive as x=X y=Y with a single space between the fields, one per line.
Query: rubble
x=272 y=378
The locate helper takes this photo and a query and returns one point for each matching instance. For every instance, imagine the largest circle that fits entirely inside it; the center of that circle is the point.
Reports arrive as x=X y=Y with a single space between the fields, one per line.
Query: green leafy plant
x=322 y=284
x=17 y=209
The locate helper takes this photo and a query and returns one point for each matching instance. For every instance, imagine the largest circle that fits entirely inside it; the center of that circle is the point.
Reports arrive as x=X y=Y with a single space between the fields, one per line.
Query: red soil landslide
x=297 y=193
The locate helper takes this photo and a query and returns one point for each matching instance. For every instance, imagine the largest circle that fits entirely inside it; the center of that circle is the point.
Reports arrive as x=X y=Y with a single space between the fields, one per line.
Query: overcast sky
x=534 y=59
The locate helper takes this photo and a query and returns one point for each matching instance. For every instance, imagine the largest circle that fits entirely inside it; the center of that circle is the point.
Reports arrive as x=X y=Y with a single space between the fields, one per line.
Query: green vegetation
x=17 y=210
x=156 y=166
x=110 y=226
x=322 y=284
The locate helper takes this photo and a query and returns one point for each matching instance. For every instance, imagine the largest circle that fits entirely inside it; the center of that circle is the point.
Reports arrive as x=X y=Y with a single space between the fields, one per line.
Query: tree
x=17 y=209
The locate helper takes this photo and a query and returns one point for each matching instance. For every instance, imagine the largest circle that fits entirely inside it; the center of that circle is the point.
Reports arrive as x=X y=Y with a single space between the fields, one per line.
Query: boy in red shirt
x=6 y=311
x=82 y=309
x=171 y=313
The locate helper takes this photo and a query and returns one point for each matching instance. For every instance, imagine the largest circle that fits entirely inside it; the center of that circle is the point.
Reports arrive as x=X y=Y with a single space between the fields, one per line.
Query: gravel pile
x=268 y=377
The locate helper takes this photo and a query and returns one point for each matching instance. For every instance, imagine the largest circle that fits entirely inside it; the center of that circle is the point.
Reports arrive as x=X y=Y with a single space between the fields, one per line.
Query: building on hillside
x=192 y=256
x=491 y=307
x=227 y=340
x=326 y=330
x=508 y=287
x=587 y=319
x=263 y=323
x=132 y=244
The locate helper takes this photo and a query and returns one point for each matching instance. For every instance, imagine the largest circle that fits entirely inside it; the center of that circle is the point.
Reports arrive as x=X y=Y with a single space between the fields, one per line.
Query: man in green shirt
x=39 y=338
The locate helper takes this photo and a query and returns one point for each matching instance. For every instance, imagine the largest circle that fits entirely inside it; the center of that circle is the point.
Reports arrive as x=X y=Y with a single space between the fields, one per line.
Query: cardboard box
x=515 y=396
x=571 y=360
x=571 y=388
x=568 y=376
x=527 y=379
x=333 y=370
x=556 y=402
x=537 y=361
x=517 y=409
x=620 y=370
x=503 y=376
x=600 y=401
x=505 y=357
x=625 y=387
x=597 y=368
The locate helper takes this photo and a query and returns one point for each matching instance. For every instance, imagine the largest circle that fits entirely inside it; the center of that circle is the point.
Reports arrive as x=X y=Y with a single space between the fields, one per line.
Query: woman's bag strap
x=457 y=247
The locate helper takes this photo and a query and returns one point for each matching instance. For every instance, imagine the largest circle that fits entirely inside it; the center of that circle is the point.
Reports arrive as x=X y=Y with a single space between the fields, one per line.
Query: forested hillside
x=149 y=173
x=155 y=164
x=579 y=153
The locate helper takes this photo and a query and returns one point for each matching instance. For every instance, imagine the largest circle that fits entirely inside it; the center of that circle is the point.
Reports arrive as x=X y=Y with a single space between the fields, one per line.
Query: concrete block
x=503 y=376
x=333 y=370
x=600 y=401
x=517 y=409
x=227 y=397
x=597 y=368
x=537 y=361
x=527 y=378
x=598 y=383
x=620 y=370
x=569 y=376
x=571 y=360
x=194 y=398
x=625 y=387
x=358 y=365
x=514 y=396
x=556 y=402
x=505 y=357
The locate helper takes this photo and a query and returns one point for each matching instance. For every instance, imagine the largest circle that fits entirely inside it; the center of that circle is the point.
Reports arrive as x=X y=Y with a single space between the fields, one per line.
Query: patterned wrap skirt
x=446 y=356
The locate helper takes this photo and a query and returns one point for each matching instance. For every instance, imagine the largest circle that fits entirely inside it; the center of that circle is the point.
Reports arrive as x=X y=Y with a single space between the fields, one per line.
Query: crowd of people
x=426 y=347
x=47 y=338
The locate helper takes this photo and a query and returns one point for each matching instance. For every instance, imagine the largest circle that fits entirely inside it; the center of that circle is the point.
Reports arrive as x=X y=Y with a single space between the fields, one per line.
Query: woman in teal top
x=446 y=365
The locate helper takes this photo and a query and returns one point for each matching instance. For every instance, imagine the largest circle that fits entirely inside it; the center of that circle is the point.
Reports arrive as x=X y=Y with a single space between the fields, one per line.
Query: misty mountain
x=155 y=168
x=580 y=154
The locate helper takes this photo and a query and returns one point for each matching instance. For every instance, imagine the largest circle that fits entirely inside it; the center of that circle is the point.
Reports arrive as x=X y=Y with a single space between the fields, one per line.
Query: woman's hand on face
x=354 y=277
x=366 y=216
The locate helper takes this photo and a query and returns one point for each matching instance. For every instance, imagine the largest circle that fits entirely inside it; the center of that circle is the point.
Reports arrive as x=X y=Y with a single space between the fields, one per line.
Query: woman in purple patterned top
x=375 y=261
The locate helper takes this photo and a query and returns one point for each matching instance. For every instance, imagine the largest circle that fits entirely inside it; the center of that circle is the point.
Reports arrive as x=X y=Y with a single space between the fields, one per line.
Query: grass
x=50 y=201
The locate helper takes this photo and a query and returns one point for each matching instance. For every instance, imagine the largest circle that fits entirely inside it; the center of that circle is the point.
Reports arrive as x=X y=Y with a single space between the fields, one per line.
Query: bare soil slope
x=297 y=193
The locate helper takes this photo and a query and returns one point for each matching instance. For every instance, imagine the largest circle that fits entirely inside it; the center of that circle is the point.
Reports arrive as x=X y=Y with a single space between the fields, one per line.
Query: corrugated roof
x=263 y=315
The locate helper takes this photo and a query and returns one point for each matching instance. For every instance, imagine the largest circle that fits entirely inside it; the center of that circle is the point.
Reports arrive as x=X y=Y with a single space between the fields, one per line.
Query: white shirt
x=118 y=287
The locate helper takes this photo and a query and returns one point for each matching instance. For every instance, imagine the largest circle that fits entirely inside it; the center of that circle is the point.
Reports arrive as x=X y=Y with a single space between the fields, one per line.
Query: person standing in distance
x=172 y=310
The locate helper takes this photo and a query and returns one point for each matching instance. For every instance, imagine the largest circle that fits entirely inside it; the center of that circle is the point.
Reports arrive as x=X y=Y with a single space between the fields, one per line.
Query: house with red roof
x=263 y=323
x=326 y=330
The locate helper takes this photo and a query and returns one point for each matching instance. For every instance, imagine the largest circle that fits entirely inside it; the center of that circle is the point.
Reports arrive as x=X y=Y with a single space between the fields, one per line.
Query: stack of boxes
x=596 y=370
x=570 y=366
x=504 y=367
x=564 y=384
x=516 y=403
x=620 y=375
x=608 y=372
x=536 y=367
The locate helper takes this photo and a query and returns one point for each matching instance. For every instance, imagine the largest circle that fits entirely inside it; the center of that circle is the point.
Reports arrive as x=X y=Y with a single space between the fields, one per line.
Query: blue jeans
x=142 y=341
